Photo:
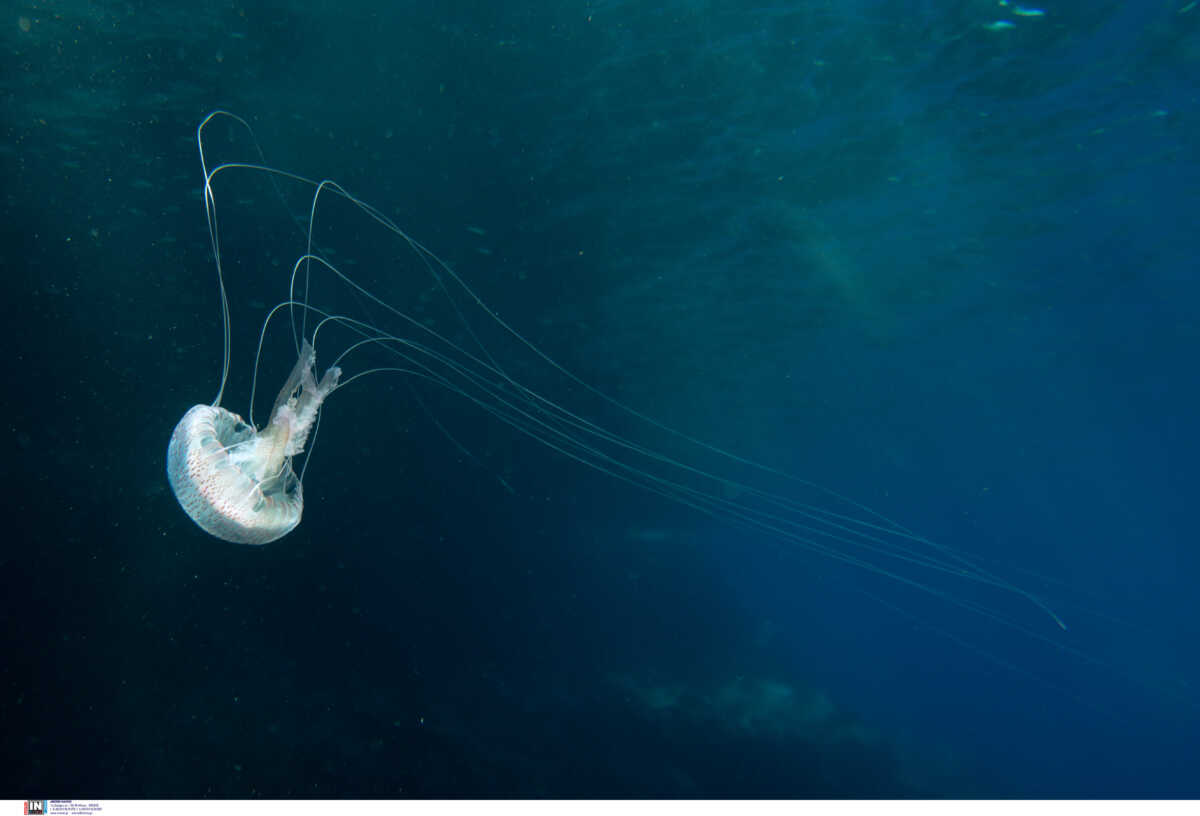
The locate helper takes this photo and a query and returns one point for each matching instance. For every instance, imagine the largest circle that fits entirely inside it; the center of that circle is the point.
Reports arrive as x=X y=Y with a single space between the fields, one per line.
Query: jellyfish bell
x=237 y=482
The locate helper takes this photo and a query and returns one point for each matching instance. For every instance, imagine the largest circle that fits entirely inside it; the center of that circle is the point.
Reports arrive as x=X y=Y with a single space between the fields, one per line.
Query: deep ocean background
x=941 y=266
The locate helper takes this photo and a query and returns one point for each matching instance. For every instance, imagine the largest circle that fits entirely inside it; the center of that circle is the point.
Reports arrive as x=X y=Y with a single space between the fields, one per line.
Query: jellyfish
x=237 y=481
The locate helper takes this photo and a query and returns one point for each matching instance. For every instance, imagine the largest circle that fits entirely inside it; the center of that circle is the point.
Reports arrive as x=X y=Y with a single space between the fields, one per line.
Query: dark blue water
x=941 y=268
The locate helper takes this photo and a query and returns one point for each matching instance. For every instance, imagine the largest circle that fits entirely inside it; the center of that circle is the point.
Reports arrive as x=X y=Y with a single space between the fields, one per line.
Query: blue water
x=943 y=268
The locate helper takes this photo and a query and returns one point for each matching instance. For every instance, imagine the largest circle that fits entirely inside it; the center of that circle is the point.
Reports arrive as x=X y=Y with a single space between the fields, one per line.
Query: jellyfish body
x=237 y=482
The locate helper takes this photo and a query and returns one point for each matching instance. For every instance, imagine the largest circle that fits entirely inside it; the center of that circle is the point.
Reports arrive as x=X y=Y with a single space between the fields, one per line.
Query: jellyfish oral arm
x=291 y=421
x=298 y=411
